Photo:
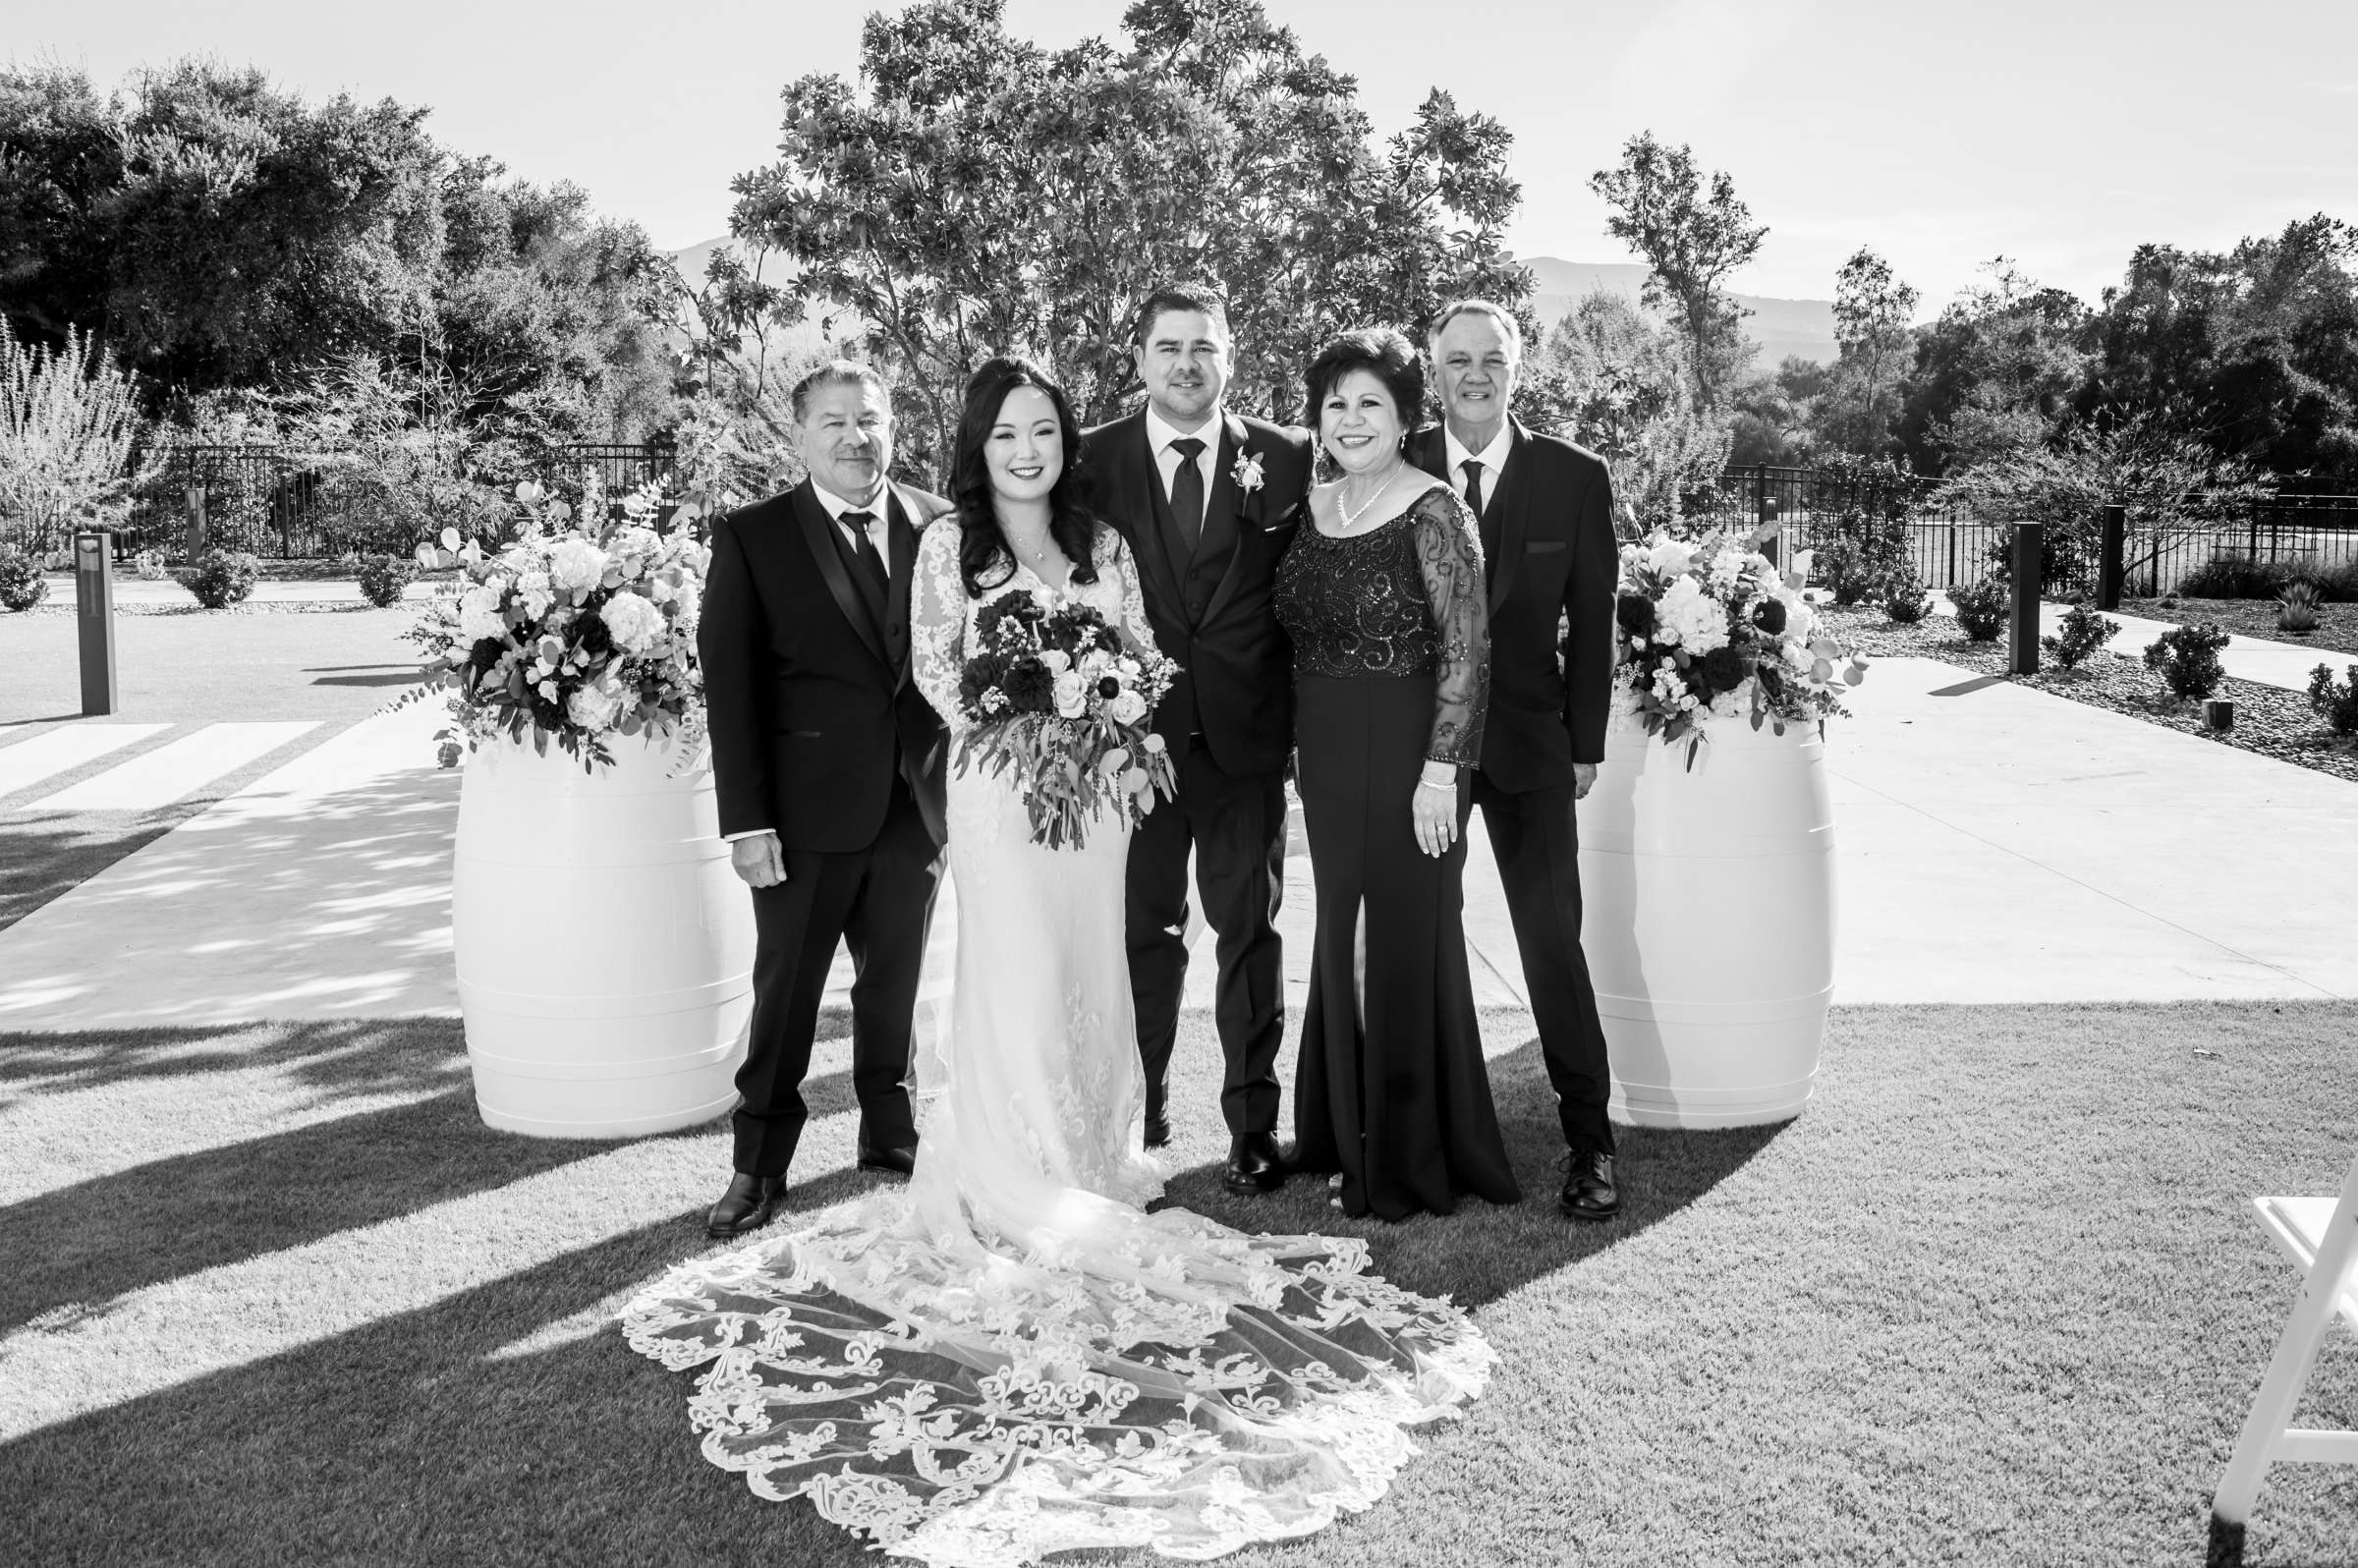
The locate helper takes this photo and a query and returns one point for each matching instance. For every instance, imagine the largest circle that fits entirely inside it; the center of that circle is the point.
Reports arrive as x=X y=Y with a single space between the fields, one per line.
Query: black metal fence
x=1812 y=508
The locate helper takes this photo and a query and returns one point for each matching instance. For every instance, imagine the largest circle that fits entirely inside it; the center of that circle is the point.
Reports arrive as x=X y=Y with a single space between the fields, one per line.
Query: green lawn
x=275 y=1296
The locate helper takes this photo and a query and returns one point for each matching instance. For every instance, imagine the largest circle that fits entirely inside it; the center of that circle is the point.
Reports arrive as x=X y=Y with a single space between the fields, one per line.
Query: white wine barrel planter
x=605 y=947
x=1709 y=922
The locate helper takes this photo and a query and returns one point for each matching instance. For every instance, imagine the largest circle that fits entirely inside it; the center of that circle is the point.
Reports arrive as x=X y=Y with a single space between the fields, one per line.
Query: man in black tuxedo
x=1546 y=513
x=828 y=765
x=1207 y=503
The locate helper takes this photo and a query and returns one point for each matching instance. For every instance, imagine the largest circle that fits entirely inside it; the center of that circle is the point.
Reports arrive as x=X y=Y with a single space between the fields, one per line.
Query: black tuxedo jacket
x=1547 y=536
x=1211 y=608
x=809 y=695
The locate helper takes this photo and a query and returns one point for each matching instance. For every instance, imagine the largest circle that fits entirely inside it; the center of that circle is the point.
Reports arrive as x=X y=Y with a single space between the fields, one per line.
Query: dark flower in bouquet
x=1054 y=700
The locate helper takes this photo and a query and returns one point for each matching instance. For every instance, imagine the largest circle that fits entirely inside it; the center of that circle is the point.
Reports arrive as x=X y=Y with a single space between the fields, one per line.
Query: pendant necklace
x=1351 y=518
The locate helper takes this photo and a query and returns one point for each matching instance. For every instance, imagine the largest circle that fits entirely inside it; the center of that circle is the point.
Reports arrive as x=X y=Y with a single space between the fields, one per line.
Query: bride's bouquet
x=1056 y=704
x=1710 y=630
x=581 y=630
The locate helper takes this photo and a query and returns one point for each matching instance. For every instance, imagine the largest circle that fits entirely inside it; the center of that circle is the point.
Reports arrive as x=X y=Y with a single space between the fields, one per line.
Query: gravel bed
x=2268 y=720
x=2336 y=624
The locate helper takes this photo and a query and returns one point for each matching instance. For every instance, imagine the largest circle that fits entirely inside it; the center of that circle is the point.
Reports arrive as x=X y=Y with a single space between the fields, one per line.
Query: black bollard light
x=2112 y=555
x=2022 y=642
x=94 y=616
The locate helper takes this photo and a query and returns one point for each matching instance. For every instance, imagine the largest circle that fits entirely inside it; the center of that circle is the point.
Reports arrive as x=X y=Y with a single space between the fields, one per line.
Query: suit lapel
x=818 y=533
x=1512 y=504
x=1226 y=503
x=902 y=536
x=1150 y=511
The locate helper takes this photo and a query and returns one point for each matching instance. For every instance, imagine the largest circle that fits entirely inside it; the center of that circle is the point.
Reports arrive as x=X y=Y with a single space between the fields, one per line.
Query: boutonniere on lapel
x=1246 y=473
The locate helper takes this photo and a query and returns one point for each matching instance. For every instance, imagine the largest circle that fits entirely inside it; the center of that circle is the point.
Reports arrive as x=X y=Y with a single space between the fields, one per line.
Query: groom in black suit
x=829 y=766
x=1547 y=514
x=1208 y=502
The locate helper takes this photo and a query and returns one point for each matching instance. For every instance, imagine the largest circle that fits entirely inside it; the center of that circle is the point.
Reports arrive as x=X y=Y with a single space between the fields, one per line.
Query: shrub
x=21 y=586
x=2188 y=658
x=2296 y=608
x=2336 y=700
x=2229 y=576
x=149 y=564
x=222 y=579
x=2082 y=633
x=1981 y=608
x=1851 y=572
x=1905 y=597
x=383 y=577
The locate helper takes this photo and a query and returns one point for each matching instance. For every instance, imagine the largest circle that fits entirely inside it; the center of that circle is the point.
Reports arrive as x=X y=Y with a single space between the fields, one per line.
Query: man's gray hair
x=1508 y=327
x=837 y=372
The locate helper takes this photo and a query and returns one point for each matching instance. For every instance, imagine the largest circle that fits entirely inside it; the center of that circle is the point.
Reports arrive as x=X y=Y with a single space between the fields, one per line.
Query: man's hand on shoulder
x=758 y=859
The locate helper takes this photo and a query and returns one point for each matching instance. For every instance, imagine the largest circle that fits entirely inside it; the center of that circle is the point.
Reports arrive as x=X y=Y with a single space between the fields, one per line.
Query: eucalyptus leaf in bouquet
x=1709 y=631
x=581 y=631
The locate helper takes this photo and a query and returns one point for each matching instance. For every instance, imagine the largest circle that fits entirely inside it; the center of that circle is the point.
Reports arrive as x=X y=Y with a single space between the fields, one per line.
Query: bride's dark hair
x=982 y=547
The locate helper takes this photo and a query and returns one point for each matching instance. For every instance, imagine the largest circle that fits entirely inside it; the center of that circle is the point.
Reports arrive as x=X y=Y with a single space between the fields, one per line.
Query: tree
x=68 y=420
x=59 y=160
x=1874 y=339
x=1623 y=383
x=1777 y=413
x=1690 y=241
x=1993 y=374
x=974 y=194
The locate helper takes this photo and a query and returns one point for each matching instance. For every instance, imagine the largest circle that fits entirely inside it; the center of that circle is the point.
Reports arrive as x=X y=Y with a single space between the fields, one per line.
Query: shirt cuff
x=756 y=833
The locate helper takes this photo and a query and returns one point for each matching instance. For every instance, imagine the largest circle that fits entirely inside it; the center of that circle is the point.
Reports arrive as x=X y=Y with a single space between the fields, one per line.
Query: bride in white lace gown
x=1012 y=1357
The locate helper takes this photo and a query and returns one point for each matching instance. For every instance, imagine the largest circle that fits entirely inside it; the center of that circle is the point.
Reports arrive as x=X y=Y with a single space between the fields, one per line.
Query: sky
x=2059 y=133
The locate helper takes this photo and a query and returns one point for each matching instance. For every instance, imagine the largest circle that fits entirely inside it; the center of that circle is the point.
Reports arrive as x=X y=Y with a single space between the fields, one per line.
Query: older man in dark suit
x=1546 y=513
x=828 y=763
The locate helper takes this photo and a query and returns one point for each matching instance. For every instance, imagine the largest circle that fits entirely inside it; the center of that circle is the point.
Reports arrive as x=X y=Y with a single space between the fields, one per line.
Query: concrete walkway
x=2264 y=661
x=1996 y=844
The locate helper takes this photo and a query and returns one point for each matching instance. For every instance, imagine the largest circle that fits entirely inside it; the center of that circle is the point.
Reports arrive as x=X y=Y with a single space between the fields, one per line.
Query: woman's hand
x=1434 y=813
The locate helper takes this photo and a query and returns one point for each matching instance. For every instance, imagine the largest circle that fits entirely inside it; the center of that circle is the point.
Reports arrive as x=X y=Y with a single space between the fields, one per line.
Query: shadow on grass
x=422 y=1438
x=1484 y=1250
x=46 y=856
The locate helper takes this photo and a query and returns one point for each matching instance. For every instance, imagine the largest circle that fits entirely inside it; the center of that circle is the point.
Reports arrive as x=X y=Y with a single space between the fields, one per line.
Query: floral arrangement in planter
x=1709 y=629
x=1055 y=698
x=581 y=630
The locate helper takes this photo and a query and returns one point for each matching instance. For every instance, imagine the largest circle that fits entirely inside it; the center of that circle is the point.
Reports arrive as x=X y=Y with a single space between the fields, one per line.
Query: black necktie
x=877 y=583
x=1187 y=491
x=1473 y=466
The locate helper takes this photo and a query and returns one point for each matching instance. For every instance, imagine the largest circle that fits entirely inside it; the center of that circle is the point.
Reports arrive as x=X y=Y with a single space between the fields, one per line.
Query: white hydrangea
x=1691 y=618
x=575 y=565
x=1726 y=567
x=533 y=588
x=479 y=613
x=594 y=707
x=634 y=621
x=1669 y=558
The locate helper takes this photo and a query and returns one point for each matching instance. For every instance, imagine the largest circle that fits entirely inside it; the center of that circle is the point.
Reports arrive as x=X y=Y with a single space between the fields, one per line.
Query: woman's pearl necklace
x=1343 y=505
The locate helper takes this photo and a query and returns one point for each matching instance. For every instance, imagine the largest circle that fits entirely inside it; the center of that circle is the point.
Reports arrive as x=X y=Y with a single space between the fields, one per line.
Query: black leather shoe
x=902 y=1160
x=1589 y=1190
x=1254 y=1164
x=746 y=1205
x=1158 y=1130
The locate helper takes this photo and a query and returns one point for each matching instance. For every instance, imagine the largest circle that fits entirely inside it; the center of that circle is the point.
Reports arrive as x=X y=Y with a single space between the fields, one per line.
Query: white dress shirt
x=1161 y=432
x=1492 y=459
x=837 y=506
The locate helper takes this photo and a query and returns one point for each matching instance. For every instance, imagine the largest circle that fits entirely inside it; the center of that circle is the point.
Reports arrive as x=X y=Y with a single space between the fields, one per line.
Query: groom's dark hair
x=836 y=373
x=1169 y=297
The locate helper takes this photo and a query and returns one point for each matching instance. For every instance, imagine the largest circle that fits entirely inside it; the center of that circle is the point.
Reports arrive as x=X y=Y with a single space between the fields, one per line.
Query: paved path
x=1995 y=845
x=136 y=592
x=2261 y=660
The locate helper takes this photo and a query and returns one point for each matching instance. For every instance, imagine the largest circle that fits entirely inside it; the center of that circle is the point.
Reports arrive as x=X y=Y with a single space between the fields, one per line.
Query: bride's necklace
x=1031 y=554
x=1342 y=502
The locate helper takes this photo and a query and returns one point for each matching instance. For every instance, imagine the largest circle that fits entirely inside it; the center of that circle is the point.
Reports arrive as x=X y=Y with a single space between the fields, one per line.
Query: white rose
x=575 y=565
x=1129 y=708
x=547 y=691
x=1069 y=702
x=634 y=621
x=1057 y=660
x=478 y=614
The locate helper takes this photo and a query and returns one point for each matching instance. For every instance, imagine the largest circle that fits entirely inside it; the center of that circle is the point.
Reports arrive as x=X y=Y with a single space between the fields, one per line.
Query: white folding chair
x=2320 y=1236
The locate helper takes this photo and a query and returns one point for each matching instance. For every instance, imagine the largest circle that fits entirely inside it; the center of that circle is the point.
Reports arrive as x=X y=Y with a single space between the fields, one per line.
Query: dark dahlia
x=1724 y=669
x=1634 y=612
x=1030 y=687
x=1770 y=616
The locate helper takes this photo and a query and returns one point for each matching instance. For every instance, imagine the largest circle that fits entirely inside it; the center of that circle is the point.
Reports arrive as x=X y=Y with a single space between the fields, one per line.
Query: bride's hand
x=1433 y=812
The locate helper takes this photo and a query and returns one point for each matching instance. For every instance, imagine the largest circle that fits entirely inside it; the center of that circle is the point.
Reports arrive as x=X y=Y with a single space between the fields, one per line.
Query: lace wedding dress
x=1010 y=1356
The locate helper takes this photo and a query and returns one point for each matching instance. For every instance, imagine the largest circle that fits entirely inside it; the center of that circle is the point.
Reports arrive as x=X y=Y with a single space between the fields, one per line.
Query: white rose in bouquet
x=1129 y=708
x=575 y=565
x=634 y=621
x=1692 y=618
x=1070 y=703
x=479 y=613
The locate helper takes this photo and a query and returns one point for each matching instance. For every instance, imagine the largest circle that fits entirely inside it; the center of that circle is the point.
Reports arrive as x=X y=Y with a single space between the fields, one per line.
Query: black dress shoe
x=1254 y=1164
x=902 y=1159
x=1589 y=1190
x=1158 y=1130
x=746 y=1205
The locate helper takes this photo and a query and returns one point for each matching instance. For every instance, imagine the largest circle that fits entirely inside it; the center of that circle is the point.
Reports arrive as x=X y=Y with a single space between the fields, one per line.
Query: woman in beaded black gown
x=1384 y=597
